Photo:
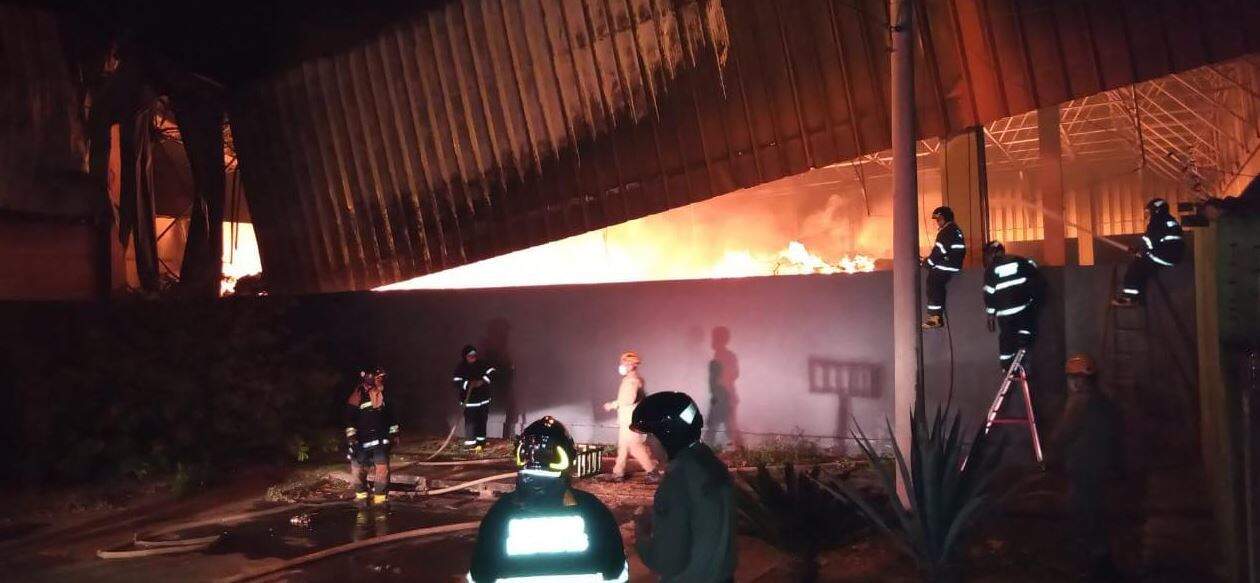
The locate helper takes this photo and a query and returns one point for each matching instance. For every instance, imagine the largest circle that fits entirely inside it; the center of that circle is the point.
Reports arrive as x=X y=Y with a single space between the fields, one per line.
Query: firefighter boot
x=933 y=321
x=380 y=501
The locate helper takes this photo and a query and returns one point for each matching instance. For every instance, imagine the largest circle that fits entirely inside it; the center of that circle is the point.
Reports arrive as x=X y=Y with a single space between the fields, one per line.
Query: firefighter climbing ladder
x=1016 y=373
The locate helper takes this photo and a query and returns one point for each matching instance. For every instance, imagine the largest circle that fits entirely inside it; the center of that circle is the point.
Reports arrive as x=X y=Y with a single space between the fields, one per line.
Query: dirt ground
x=1161 y=533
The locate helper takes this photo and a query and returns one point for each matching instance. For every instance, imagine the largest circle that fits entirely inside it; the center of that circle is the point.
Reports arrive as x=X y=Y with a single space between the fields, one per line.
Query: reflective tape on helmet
x=1156 y=259
x=1011 y=311
x=351 y=431
x=689 y=414
x=546 y=535
x=1011 y=283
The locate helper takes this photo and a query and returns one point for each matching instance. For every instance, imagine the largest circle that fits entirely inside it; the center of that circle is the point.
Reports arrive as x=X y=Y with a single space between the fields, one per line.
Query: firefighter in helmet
x=1162 y=248
x=945 y=260
x=1087 y=446
x=1012 y=297
x=691 y=533
x=371 y=432
x=629 y=443
x=472 y=379
x=547 y=530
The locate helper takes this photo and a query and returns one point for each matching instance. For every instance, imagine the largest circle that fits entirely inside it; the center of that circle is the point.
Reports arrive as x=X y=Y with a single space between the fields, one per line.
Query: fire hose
x=350 y=547
x=151 y=545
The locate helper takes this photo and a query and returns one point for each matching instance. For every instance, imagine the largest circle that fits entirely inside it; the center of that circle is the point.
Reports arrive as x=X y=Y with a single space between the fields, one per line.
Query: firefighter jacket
x=370 y=425
x=693 y=521
x=465 y=378
x=1162 y=241
x=948 y=251
x=1012 y=285
x=572 y=535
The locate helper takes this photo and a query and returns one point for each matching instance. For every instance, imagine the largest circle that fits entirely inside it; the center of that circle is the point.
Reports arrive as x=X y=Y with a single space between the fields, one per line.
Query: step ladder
x=1015 y=373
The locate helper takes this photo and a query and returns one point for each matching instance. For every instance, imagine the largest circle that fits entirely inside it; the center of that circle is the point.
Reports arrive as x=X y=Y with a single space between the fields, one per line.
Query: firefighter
x=370 y=434
x=472 y=379
x=942 y=263
x=691 y=534
x=1087 y=446
x=629 y=443
x=546 y=530
x=1012 y=290
x=1162 y=247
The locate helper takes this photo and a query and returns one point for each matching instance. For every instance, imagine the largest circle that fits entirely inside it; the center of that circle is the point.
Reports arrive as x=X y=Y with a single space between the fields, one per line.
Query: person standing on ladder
x=1162 y=248
x=942 y=263
x=1012 y=297
x=472 y=378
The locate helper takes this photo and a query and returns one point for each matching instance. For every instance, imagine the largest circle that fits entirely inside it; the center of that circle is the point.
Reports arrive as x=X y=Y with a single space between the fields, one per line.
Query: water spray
x=1059 y=216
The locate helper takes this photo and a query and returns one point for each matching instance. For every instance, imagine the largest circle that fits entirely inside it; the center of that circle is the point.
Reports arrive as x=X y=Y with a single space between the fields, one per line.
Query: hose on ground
x=470 y=483
x=149 y=545
x=346 y=548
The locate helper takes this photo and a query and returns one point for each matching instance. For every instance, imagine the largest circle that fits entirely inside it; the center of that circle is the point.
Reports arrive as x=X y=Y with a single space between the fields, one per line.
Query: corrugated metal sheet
x=41 y=138
x=493 y=125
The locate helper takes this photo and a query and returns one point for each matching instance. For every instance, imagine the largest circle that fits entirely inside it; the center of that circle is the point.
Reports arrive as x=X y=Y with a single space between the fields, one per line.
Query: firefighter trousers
x=1016 y=331
x=936 y=282
x=1136 y=276
x=475 y=424
x=634 y=444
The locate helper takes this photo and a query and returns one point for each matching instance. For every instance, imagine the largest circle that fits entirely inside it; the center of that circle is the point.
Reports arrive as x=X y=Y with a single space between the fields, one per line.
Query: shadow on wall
x=496 y=346
x=847 y=380
x=723 y=396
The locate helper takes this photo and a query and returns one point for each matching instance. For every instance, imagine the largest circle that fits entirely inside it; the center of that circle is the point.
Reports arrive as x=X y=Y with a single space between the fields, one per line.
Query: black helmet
x=672 y=417
x=994 y=247
x=545 y=449
x=468 y=349
x=944 y=212
x=1157 y=206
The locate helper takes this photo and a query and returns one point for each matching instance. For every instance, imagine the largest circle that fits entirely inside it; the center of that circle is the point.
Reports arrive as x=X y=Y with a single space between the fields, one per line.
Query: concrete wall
x=812 y=352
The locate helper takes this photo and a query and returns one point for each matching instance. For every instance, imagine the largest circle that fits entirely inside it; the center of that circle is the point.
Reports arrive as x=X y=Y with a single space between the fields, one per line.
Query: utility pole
x=905 y=229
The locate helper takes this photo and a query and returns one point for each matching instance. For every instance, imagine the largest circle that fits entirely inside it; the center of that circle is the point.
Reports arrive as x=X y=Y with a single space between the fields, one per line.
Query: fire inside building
x=630 y=290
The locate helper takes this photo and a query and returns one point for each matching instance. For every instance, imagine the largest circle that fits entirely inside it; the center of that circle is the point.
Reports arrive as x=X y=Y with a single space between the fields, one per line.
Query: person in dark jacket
x=942 y=263
x=371 y=432
x=1012 y=297
x=546 y=530
x=1087 y=445
x=1162 y=248
x=690 y=537
x=472 y=379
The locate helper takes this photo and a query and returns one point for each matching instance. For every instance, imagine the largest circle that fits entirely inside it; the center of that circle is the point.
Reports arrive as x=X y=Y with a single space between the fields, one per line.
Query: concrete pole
x=905 y=229
x=1050 y=181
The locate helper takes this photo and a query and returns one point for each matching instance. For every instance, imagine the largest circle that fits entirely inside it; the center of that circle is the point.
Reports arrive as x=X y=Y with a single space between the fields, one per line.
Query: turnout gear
x=472 y=380
x=1162 y=247
x=1012 y=290
x=371 y=431
x=942 y=263
x=672 y=417
x=545 y=529
x=692 y=536
x=629 y=394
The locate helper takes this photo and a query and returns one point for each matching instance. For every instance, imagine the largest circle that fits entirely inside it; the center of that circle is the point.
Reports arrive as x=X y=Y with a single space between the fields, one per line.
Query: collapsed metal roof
x=486 y=126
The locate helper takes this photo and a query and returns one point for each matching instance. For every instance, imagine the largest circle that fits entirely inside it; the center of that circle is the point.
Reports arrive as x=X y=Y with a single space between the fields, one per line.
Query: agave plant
x=950 y=485
x=796 y=516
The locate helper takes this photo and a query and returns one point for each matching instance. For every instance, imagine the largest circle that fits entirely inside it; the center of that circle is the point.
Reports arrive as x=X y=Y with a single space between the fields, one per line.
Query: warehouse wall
x=813 y=352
